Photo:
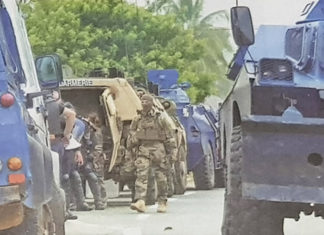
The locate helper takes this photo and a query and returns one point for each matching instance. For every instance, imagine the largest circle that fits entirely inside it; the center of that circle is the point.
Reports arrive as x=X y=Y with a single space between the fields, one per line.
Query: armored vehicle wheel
x=180 y=183
x=246 y=217
x=204 y=173
x=36 y=222
x=58 y=210
x=151 y=193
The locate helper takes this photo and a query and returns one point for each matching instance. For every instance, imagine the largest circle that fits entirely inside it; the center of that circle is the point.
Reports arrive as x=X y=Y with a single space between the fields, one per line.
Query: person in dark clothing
x=60 y=134
x=81 y=133
x=71 y=179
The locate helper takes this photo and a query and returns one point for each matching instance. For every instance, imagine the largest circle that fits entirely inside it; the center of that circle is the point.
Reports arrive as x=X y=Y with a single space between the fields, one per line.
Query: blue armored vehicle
x=272 y=124
x=31 y=201
x=200 y=123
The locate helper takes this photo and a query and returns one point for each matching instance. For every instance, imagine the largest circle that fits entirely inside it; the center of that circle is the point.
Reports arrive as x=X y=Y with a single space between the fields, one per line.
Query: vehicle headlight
x=276 y=69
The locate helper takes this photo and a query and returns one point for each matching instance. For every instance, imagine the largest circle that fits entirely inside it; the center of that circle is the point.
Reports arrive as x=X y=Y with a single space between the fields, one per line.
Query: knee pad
x=88 y=169
x=75 y=177
x=65 y=178
x=91 y=177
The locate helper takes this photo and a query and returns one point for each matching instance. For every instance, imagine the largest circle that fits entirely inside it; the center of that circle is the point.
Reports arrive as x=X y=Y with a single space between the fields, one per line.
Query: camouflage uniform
x=155 y=146
x=98 y=158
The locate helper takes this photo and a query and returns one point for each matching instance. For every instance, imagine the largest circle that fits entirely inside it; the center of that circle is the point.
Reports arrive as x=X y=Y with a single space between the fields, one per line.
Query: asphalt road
x=195 y=213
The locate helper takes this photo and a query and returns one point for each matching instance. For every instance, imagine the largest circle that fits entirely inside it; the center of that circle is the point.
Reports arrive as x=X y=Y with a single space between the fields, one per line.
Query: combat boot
x=139 y=206
x=70 y=216
x=162 y=207
x=99 y=206
x=84 y=207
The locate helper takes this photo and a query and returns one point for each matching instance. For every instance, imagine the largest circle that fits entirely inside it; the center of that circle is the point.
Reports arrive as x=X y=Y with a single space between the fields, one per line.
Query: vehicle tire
x=58 y=210
x=36 y=222
x=151 y=193
x=246 y=217
x=204 y=172
x=180 y=167
x=219 y=178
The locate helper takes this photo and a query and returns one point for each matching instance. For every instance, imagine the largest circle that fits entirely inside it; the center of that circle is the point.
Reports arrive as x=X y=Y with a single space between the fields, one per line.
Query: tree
x=213 y=63
x=90 y=34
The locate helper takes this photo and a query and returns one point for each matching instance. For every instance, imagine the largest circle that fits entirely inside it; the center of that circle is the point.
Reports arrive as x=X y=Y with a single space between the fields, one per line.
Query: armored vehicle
x=200 y=124
x=31 y=201
x=116 y=103
x=271 y=124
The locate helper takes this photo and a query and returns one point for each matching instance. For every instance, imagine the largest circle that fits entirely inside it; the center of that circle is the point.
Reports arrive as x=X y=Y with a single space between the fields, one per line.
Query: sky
x=263 y=11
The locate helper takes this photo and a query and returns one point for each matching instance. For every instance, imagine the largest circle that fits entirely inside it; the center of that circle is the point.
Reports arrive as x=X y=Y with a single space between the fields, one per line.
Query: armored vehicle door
x=113 y=122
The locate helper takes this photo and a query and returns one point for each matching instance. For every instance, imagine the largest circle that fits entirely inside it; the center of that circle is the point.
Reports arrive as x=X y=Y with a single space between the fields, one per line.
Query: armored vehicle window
x=294 y=43
x=46 y=69
x=85 y=101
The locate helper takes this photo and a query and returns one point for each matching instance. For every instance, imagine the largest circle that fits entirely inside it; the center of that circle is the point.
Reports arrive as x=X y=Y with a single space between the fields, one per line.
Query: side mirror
x=49 y=71
x=242 y=26
x=31 y=96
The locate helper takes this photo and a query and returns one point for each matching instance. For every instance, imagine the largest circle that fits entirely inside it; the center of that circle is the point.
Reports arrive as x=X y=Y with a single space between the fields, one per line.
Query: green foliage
x=213 y=63
x=90 y=34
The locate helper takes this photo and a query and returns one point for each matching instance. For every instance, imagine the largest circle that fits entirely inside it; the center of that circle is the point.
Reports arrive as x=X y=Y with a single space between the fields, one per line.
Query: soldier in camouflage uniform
x=151 y=136
x=96 y=152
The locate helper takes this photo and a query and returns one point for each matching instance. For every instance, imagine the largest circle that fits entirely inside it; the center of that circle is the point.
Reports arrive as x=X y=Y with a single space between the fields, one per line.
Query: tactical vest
x=96 y=139
x=54 y=118
x=149 y=128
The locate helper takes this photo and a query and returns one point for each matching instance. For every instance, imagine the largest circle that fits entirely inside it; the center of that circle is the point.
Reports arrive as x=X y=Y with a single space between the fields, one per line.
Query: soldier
x=70 y=176
x=155 y=146
x=81 y=132
x=96 y=154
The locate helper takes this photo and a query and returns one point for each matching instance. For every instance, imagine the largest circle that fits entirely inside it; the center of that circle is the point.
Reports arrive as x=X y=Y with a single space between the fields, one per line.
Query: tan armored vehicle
x=117 y=104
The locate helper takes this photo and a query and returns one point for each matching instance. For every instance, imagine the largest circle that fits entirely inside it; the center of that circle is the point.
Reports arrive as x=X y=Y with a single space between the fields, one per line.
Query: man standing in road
x=60 y=124
x=81 y=133
x=96 y=154
x=155 y=146
x=71 y=179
